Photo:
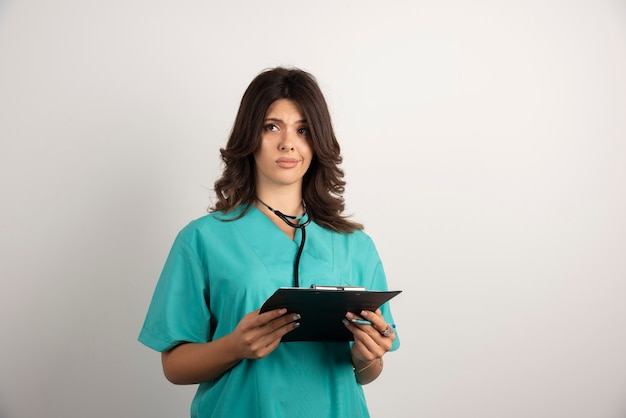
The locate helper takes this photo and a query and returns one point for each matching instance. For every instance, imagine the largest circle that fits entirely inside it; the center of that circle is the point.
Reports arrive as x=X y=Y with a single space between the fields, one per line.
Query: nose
x=286 y=142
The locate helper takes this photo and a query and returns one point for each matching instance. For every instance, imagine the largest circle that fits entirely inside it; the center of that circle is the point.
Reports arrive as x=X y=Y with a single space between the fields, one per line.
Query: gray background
x=484 y=148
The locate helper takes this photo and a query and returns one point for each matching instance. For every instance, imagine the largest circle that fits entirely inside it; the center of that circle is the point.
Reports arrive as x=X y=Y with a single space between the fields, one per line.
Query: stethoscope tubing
x=285 y=218
x=301 y=226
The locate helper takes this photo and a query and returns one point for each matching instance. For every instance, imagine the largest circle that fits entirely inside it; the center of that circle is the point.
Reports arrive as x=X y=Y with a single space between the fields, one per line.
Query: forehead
x=282 y=108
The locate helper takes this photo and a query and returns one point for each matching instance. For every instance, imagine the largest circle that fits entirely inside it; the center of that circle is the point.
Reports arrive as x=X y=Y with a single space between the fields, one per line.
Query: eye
x=304 y=131
x=270 y=127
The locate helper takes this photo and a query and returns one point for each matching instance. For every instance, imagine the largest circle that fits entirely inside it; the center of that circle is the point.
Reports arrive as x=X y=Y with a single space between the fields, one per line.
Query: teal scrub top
x=218 y=271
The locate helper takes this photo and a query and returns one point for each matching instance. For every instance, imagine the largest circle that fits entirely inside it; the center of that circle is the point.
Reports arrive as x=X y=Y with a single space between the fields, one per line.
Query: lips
x=287 y=162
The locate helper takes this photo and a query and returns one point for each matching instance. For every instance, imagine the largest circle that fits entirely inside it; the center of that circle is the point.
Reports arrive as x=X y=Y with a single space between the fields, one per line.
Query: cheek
x=256 y=157
x=259 y=161
x=261 y=151
x=307 y=152
x=308 y=161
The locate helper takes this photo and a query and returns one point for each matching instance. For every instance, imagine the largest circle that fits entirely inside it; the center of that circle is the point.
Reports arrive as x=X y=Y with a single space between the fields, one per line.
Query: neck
x=287 y=203
x=264 y=206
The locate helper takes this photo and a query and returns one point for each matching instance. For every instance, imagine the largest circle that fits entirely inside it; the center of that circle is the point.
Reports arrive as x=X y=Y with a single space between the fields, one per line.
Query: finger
x=266 y=317
x=356 y=324
x=380 y=325
x=371 y=345
x=282 y=321
x=364 y=352
x=367 y=336
x=286 y=327
x=376 y=318
x=260 y=341
x=269 y=342
x=371 y=337
x=273 y=331
x=357 y=320
x=369 y=341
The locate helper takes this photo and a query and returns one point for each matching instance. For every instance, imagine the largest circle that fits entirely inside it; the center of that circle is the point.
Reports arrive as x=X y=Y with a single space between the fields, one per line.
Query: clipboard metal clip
x=324 y=287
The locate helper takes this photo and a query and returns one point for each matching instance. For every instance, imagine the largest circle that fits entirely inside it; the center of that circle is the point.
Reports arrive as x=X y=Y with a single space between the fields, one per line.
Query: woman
x=281 y=158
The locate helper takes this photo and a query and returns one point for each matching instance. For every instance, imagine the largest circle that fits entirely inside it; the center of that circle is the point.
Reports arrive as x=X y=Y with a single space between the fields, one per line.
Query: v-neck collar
x=277 y=251
x=267 y=222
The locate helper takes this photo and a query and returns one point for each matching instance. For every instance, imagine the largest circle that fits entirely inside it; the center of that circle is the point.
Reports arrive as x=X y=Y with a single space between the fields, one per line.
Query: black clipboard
x=323 y=309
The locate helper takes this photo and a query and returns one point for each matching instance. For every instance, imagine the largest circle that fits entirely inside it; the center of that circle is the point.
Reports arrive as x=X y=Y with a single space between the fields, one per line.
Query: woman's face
x=284 y=155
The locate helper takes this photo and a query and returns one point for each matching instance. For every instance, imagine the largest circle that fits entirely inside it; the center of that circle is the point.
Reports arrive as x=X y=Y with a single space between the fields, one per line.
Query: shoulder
x=205 y=226
x=202 y=235
x=216 y=224
x=358 y=235
x=206 y=222
x=358 y=240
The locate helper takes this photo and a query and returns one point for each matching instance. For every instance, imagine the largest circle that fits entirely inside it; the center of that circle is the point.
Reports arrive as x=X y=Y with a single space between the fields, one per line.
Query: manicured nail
x=345 y=322
x=296 y=317
x=296 y=324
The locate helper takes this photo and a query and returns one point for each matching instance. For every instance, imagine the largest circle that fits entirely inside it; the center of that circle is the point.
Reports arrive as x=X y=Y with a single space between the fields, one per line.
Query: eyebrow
x=281 y=121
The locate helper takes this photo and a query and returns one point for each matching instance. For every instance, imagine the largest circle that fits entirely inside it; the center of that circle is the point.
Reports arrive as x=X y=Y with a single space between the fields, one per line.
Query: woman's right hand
x=254 y=337
x=257 y=335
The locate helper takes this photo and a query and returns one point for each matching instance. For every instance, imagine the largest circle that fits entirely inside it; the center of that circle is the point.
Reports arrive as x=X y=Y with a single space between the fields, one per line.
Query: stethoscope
x=288 y=220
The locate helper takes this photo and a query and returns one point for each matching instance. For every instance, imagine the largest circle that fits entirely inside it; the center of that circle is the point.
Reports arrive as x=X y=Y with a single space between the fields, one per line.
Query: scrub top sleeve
x=378 y=281
x=375 y=277
x=179 y=309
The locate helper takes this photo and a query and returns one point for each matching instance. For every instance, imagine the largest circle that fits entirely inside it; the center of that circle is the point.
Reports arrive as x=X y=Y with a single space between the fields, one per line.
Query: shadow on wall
x=3 y=411
x=4 y=11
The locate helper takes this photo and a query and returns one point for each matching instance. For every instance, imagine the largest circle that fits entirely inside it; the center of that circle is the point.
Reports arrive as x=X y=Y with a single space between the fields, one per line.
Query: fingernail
x=365 y=313
x=296 y=317
x=296 y=324
x=345 y=322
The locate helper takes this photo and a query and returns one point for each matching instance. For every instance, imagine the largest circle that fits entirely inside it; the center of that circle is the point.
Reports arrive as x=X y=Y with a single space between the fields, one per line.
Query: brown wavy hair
x=322 y=185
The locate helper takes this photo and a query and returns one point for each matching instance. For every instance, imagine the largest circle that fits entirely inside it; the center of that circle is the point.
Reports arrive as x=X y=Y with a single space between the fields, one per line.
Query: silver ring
x=388 y=332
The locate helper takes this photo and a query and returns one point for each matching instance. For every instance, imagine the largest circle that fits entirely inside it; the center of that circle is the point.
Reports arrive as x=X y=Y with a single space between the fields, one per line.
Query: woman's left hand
x=370 y=343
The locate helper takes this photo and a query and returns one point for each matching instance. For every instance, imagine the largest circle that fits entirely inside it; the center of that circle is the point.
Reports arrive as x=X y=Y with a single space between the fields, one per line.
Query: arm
x=366 y=372
x=254 y=337
x=369 y=345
